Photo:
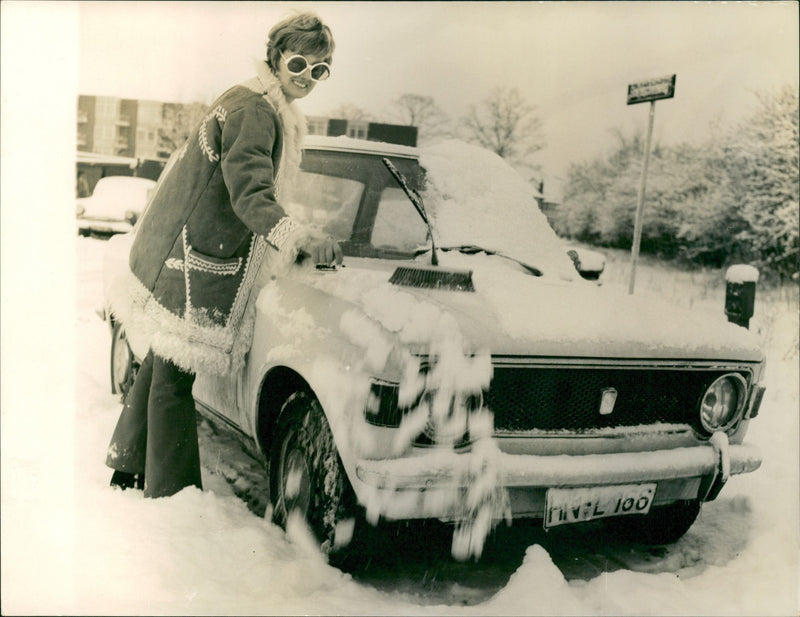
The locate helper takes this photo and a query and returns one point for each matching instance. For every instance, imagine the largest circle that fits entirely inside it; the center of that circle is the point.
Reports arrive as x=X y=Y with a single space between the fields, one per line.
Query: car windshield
x=473 y=197
x=476 y=200
x=352 y=197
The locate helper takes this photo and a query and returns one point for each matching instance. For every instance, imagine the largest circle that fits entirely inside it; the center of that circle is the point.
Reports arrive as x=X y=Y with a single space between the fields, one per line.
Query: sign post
x=650 y=90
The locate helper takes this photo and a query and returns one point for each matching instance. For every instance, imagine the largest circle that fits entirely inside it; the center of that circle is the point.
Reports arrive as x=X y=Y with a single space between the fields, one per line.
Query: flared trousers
x=156 y=434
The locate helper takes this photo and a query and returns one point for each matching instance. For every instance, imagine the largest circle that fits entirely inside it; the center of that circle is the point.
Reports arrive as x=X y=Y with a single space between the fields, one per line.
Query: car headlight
x=722 y=403
x=382 y=405
x=383 y=409
x=453 y=429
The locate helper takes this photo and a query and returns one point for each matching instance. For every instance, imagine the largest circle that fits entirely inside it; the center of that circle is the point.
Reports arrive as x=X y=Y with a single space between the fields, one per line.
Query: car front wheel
x=123 y=364
x=307 y=477
x=662 y=525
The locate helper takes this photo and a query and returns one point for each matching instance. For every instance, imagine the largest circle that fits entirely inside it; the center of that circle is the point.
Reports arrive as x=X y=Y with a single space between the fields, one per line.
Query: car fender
x=307 y=333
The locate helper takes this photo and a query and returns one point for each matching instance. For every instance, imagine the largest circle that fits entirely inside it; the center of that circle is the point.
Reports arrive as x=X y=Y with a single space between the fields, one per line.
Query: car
x=457 y=367
x=114 y=205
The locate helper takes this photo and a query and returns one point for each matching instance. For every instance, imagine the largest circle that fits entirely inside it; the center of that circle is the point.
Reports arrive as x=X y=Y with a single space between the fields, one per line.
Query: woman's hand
x=321 y=251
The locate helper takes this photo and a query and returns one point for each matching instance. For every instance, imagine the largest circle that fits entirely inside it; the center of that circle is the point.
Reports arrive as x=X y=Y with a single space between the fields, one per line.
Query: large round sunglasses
x=297 y=65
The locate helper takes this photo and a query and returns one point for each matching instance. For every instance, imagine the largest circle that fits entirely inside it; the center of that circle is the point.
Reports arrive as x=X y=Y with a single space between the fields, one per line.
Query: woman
x=214 y=215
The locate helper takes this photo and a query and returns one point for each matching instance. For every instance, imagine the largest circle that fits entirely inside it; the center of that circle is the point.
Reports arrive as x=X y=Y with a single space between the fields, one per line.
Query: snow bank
x=86 y=549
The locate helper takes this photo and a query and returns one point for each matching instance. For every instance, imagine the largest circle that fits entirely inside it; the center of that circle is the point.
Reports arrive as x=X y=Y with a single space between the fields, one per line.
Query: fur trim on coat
x=156 y=301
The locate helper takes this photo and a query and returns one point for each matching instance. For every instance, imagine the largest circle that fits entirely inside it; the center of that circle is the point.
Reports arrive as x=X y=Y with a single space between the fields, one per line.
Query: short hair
x=304 y=33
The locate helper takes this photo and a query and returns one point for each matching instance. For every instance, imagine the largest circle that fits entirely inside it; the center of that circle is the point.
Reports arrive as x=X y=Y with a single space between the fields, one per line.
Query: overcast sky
x=573 y=61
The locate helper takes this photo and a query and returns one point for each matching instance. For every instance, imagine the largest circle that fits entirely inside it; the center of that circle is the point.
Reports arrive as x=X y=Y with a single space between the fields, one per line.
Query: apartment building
x=118 y=127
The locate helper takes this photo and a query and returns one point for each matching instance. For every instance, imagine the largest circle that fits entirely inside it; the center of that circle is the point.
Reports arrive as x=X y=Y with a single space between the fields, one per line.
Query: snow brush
x=433 y=278
x=426 y=278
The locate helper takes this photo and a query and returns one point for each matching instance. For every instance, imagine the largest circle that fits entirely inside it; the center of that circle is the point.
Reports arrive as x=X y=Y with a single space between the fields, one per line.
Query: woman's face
x=296 y=86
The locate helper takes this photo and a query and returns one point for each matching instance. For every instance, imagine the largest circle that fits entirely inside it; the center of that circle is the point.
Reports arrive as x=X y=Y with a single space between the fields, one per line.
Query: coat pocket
x=212 y=286
x=196 y=260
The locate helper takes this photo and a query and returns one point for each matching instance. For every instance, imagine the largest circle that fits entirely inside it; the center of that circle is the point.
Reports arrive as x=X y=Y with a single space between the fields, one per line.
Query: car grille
x=568 y=398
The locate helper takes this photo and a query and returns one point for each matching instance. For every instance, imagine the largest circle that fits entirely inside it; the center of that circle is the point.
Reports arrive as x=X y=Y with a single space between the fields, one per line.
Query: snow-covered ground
x=94 y=550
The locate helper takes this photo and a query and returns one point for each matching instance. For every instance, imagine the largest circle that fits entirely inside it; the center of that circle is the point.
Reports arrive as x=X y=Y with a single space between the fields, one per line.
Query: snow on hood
x=475 y=198
x=579 y=318
x=513 y=312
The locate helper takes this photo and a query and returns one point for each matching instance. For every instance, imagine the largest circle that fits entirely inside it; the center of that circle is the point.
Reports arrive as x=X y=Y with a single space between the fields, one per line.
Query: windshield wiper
x=417 y=201
x=473 y=249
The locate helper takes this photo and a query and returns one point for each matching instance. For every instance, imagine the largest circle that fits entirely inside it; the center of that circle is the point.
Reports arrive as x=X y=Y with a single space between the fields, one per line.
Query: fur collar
x=292 y=120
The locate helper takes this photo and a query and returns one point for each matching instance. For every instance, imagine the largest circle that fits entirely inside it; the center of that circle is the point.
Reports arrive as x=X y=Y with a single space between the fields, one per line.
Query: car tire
x=123 y=363
x=662 y=525
x=307 y=476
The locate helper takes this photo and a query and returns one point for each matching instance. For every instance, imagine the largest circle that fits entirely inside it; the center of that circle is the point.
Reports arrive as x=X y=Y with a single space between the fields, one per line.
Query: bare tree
x=349 y=111
x=506 y=124
x=422 y=112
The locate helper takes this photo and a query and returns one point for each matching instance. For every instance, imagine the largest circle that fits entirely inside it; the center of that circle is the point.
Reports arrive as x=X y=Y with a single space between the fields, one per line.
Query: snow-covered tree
x=761 y=159
x=709 y=225
x=732 y=198
x=600 y=196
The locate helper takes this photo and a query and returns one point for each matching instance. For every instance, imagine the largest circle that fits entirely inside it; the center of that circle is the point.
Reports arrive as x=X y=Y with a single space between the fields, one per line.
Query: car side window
x=397 y=224
x=326 y=202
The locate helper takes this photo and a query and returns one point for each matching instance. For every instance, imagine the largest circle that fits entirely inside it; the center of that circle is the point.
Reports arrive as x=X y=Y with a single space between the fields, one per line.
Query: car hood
x=516 y=314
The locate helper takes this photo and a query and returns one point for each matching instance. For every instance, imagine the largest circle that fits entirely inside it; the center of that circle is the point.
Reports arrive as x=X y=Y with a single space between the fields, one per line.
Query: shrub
x=733 y=198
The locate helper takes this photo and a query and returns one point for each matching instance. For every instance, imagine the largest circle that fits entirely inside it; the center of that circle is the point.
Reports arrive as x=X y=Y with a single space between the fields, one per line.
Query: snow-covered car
x=457 y=367
x=114 y=205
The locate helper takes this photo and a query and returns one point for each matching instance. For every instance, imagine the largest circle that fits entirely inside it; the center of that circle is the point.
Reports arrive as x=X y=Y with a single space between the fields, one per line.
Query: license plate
x=575 y=505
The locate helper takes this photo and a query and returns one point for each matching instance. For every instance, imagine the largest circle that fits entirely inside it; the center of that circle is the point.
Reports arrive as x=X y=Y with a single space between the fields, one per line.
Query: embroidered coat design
x=213 y=216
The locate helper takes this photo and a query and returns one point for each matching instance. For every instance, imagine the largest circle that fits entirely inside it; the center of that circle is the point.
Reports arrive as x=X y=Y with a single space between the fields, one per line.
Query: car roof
x=348 y=144
x=130 y=180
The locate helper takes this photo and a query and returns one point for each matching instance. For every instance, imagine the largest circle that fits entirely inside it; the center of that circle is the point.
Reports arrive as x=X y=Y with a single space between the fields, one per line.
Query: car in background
x=452 y=364
x=114 y=206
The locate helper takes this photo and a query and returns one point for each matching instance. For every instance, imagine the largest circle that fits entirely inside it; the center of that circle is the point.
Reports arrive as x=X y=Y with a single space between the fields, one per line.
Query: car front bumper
x=429 y=485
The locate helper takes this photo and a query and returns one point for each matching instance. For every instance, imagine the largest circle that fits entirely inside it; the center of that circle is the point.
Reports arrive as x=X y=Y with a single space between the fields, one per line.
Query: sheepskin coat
x=214 y=214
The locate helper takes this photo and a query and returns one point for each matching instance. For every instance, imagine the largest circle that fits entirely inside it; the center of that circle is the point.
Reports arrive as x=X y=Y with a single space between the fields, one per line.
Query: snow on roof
x=105 y=159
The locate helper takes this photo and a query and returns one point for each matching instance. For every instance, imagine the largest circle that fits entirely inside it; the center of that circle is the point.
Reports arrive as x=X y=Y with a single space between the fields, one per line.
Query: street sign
x=652 y=90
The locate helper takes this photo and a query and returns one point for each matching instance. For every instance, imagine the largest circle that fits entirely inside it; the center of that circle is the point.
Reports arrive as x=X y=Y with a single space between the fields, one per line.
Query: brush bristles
x=450 y=280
